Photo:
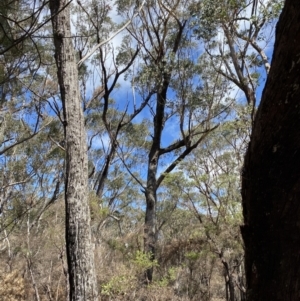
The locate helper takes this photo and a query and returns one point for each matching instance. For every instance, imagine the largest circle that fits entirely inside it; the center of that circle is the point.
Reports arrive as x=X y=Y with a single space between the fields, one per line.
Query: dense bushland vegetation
x=121 y=156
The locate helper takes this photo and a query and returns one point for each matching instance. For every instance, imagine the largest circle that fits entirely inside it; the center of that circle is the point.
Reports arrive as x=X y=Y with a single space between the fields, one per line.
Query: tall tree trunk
x=271 y=175
x=150 y=235
x=78 y=234
x=151 y=189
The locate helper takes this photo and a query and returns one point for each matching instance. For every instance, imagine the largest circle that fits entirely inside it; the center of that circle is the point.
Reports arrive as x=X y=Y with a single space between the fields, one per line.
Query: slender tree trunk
x=271 y=175
x=151 y=189
x=150 y=235
x=78 y=234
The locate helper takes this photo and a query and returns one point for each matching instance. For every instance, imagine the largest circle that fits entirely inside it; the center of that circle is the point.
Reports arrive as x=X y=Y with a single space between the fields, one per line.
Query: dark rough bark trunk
x=78 y=234
x=150 y=235
x=150 y=229
x=271 y=175
x=154 y=154
x=153 y=183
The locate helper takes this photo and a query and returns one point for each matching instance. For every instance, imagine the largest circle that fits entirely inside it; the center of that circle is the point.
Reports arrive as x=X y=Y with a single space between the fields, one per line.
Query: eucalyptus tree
x=80 y=255
x=186 y=105
x=29 y=180
x=238 y=37
x=30 y=183
x=83 y=110
x=23 y=115
x=20 y=20
x=213 y=195
x=22 y=63
x=108 y=119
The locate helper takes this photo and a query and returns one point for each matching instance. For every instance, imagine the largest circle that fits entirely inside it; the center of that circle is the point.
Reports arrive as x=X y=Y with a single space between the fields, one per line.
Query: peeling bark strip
x=271 y=181
x=78 y=234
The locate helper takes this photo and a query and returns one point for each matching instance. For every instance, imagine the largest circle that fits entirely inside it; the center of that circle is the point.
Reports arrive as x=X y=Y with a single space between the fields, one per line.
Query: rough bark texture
x=271 y=175
x=151 y=190
x=150 y=235
x=78 y=235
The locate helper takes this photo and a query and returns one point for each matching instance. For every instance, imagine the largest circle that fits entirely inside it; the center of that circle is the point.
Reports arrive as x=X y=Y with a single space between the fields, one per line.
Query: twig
x=111 y=37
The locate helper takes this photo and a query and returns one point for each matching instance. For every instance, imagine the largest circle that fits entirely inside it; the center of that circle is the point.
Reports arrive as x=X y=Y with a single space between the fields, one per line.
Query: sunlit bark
x=78 y=233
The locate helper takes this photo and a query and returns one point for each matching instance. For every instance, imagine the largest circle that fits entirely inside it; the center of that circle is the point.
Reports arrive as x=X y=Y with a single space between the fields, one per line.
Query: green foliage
x=198 y=206
x=192 y=255
x=118 y=285
x=98 y=212
x=144 y=261
x=169 y=278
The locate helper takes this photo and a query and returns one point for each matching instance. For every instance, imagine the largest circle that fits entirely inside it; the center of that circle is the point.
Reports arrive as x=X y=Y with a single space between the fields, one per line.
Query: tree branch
x=110 y=38
x=187 y=151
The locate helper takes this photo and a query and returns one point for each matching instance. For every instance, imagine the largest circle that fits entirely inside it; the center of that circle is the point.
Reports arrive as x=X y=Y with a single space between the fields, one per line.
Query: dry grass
x=12 y=287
